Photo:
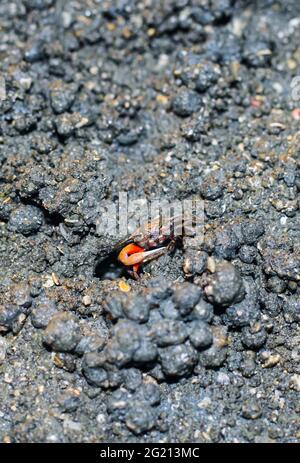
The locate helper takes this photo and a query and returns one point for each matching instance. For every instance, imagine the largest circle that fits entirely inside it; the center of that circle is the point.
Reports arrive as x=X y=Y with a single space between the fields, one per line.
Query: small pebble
x=62 y=333
x=225 y=286
x=26 y=220
x=186 y=103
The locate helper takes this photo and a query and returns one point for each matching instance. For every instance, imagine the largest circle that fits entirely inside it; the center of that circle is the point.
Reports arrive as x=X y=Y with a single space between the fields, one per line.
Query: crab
x=149 y=242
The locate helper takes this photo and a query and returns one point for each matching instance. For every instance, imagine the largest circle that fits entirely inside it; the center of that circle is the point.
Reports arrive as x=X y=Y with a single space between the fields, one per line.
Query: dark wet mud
x=167 y=100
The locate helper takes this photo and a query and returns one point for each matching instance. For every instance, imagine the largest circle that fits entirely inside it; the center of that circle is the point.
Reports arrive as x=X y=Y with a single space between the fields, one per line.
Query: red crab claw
x=133 y=255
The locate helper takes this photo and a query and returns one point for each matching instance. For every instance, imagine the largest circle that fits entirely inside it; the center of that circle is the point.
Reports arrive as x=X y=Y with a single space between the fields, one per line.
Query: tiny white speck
x=283 y=220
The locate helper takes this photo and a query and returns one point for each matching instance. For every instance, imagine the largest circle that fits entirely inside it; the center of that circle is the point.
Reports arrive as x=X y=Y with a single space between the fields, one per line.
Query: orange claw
x=133 y=255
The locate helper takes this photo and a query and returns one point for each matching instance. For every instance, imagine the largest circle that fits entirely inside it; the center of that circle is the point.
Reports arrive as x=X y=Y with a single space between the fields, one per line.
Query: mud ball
x=146 y=353
x=42 y=312
x=132 y=378
x=149 y=393
x=26 y=220
x=226 y=244
x=200 y=334
x=186 y=103
x=140 y=418
x=226 y=285
x=186 y=296
x=216 y=354
x=248 y=254
x=9 y=316
x=252 y=230
x=22 y=295
x=90 y=343
x=62 y=333
x=169 y=332
x=254 y=337
x=243 y=313
x=136 y=308
x=135 y=408
x=202 y=311
x=93 y=370
x=195 y=263
x=99 y=372
x=125 y=341
x=178 y=361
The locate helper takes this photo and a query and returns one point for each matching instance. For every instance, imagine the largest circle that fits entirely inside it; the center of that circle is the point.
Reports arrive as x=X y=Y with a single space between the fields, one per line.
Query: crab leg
x=153 y=254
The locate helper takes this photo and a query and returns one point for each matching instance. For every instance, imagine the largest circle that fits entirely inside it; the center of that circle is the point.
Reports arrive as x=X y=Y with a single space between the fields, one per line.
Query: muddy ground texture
x=165 y=100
